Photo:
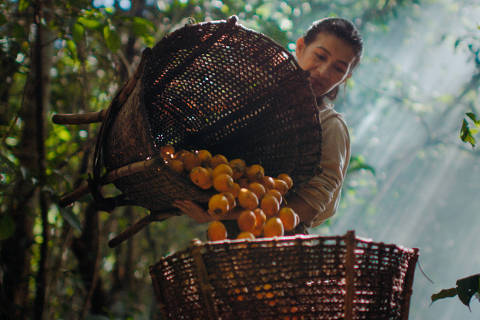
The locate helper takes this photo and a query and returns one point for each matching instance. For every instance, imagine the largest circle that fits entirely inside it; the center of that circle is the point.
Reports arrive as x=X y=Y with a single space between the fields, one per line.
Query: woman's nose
x=320 y=71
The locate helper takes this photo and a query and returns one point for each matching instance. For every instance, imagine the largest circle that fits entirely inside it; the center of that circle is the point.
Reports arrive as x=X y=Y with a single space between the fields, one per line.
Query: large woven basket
x=215 y=86
x=295 y=277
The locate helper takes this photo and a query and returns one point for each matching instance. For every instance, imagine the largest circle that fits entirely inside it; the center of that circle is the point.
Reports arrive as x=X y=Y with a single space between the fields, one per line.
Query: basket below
x=295 y=277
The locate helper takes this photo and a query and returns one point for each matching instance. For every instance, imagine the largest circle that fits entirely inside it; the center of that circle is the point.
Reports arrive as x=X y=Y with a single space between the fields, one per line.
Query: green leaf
x=111 y=38
x=358 y=163
x=90 y=23
x=23 y=5
x=466 y=134
x=467 y=287
x=71 y=218
x=78 y=32
x=142 y=27
x=7 y=226
x=444 y=293
x=72 y=48
x=473 y=116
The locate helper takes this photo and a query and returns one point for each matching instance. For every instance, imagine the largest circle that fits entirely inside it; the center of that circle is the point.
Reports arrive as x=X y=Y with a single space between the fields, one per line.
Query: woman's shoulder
x=328 y=114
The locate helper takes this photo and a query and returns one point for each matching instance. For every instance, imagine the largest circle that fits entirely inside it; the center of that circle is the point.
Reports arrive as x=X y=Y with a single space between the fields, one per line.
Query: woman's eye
x=340 y=70
x=321 y=57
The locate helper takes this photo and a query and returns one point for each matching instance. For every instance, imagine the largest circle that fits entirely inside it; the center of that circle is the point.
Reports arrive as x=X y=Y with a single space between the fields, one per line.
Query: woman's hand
x=194 y=211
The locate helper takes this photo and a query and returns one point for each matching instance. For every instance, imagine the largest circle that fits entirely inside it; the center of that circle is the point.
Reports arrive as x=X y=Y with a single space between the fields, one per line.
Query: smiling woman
x=329 y=51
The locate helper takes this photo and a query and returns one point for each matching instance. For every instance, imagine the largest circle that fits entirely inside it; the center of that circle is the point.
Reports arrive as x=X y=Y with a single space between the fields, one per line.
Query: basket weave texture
x=296 y=277
x=217 y=86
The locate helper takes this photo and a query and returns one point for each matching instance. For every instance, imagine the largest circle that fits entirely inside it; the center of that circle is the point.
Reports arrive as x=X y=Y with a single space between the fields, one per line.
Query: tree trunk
x=15 y=252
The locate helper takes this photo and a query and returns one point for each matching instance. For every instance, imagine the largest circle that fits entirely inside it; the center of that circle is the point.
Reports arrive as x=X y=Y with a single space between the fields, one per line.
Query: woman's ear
x=300 y=46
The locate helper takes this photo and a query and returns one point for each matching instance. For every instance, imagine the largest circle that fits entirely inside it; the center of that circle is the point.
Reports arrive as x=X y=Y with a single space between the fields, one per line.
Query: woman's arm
x=317 y=198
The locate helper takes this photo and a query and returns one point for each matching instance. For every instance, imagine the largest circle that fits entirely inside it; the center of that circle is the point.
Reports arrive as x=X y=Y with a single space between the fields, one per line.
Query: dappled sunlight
x=407 y=128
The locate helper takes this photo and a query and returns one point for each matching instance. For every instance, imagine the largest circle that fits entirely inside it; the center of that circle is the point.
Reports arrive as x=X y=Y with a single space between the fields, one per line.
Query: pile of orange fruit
x=258 y=199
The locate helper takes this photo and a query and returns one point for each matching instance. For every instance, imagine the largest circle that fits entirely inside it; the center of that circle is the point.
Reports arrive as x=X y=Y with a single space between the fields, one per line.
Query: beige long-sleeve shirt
x=322 y=192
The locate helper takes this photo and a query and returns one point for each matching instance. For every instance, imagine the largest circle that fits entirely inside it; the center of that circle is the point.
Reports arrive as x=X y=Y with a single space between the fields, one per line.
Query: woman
x=330 y=50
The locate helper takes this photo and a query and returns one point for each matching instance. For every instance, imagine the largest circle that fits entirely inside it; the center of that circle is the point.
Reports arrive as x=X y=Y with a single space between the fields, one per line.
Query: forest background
x=412 y=180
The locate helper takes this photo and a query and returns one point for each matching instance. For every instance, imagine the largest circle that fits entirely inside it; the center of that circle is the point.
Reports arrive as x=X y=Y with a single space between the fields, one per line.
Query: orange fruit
x=260 y=217
x=235 y=189
x=232 y=203
x=205 y=156
x=255 y=172
x=257 y=188
x=273 y=228
x=288 y=217
x=216 y=231
x=176 y=165
x=246 y=235
x=285 y=177
x=276 y=194
x=179 y=154
x=246 y=220
x=268 y=182
x=201 y=177
x=238 y=166
x=270 y=205
x=223 y=182
x=167 y=151
x=218 y=204
x=281 y=186
x=222 y=168
x=218 y=159
x=247 y=199
x=190 y=161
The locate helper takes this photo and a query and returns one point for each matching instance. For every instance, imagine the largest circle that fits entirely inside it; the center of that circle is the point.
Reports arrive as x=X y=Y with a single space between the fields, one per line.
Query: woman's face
x=328 y=59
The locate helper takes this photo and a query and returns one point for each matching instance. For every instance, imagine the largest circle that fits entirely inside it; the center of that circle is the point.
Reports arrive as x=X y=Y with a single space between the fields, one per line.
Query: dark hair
x=341 y=28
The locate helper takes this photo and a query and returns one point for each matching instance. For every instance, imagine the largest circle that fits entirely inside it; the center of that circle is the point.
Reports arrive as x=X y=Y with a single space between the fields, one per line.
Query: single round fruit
x=246 y=220
x=273 y=228
x=167 y=151
x=201 y=177
x=190 y=161
x=270 y=205
x=281 y=186
x=238 y=166
x=223 y=182
x=276 y=194
x=231 y=199
x=235 y=189
x=255 y=173
x=218 y=204
x=285 y=177
x=260 y=218
x=205 y=156
x=221 y=169
x=216 y=231
x=268 y=182
x=247 y=199
x=288 y=217
x=257 y=188
x=246 y=235
x=218 y=159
